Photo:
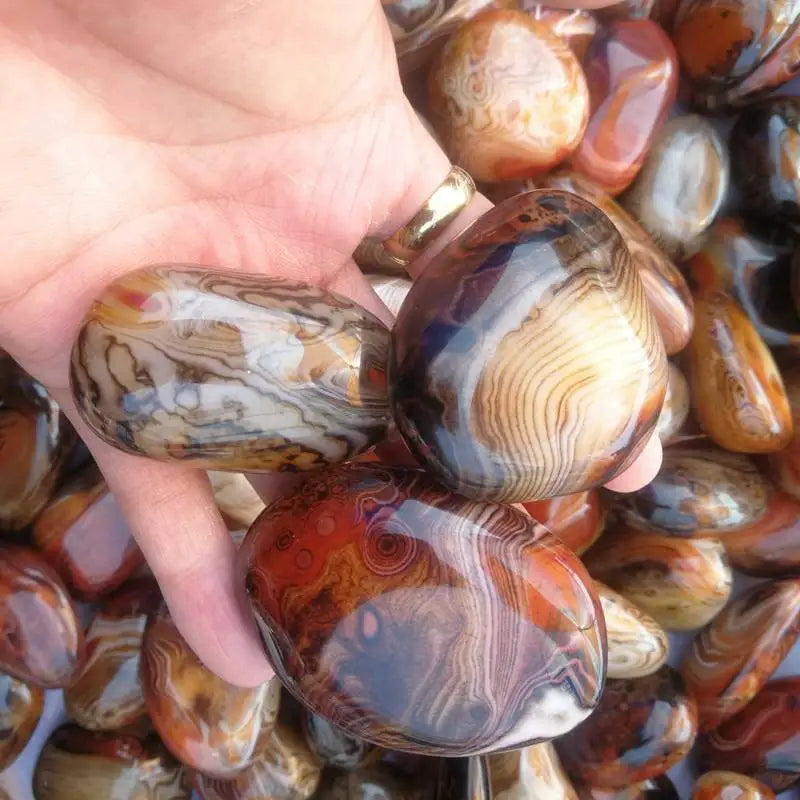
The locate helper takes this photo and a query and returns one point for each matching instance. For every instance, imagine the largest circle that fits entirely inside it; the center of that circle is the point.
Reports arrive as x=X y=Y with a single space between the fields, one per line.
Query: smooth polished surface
x=681 y=583
x=525 y=361
x=762 y=739
x=637 y=644
x=658 y=788
x=107 y=694
x=785 y=464
x=84 y=536
x=531 y=773
x=20 y=708
x=207 y=723
x=41 y=638
x=223 y=370
x=35 y=442
x=283 y=769
x=698 y=492
x=80 y=765
x=722 y=785
x=576 y=26
x=737 y=392
x=386 y=604
x=632 y=75
x=576 y=519
x=332 y=746
x=682 y=185
x=668 y=295
x=641 y=728
x=676 y=405
x=737 y=652
x=507 y=97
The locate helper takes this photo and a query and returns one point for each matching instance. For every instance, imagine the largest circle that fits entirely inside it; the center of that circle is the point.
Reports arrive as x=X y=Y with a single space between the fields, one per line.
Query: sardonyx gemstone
x=525 y=360
x=576 y=519
x=223 y=370
x=420 y=620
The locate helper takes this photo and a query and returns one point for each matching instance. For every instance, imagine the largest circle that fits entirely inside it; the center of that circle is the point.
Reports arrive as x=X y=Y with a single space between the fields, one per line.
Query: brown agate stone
x=576 y=519
x=722 y=785
x=332 y=746
x=676 y=405
x=785 y=464
x=575 y=26
x=20 y=708
x=531 y=773
x=42 y=638
x=507 y=97
x=642 y=727
x=366 y=577
x=525 y=361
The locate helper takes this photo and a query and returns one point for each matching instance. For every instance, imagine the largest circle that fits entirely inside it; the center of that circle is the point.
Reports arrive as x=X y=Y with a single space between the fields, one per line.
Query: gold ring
x=438 y=211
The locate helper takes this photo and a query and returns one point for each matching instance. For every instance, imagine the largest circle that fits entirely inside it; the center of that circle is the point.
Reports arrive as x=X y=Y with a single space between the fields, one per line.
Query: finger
x=642 y=471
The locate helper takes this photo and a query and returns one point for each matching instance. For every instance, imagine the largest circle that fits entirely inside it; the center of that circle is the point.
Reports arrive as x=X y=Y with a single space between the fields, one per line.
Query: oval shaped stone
x=223 y=370
x=667 y=293
x=785 y=464
x=698 y=492
x=81 y=765
x=637 y=644
x=575 y=26
x=632 y=75
x=682 y=583
x=42 y=638
x=507 y=97
x=642 y=727
x=722 y=785
x=35 y=443
x=576 y=519
x=760 y=741
x=531 y=773
x=333 y=746
x=284 y=769
x=682 y=185
x=83 y=535
x=20 y=708
x=366 y=577
x=107 y=695
x=737 y=392
x=676 y=405
x=658 y=788
x=525 y=361
x=210 y=725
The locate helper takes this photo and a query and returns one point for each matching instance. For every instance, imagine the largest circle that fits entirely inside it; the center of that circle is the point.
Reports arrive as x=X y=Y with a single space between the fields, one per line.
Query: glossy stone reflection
x=207 y=723
x=107 y=694
x=761 y=740
x=529 y=774
x=632 y=75
x=657 y=788
x=35 y=442
x=78 y=765
x=332 y=746
x=642 y=727
x=507 y=97
x=575 y=26
x=20 y=708
x=676 y=405
x=230 y=371
x=736 y=654
x=42 y=639
x=386 y=605
x=785 y=464
x=525 y=361
x=576 y=519
x=722 y=785
x=682 y=185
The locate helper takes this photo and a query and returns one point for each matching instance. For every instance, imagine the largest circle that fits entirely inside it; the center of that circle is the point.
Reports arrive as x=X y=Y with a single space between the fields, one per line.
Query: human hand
x=258 y=136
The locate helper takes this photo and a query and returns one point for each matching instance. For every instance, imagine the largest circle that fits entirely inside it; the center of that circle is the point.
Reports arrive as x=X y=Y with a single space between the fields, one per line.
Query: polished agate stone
x=392 y=290
x=385 y=605
x=658 y=788
x=722 y=785
x=107 y=694
x=42 y=638
x=681 y=583
x=84 y=536
x=785 y=464
x=575 y=26
x=632 y=75
x=20 y=708
x=576 y=519
x=761 y=740
x=223 y=370
x=682 y=185
x=525 y=361
x=637 y=644
x=737 y=392
x=737 y=652
x=332 y=746
x=668 y=295
x=531 y=773
x=698 y=492
x=284 y=769
x=81 y=765
x=236 y=498
x=641 y=728
x=35 y=442
x=676 y=405
x=507 y=97
x=210 y=725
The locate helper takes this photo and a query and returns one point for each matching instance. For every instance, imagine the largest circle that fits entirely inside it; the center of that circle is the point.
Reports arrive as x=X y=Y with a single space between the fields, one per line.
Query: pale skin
x=254 y=135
